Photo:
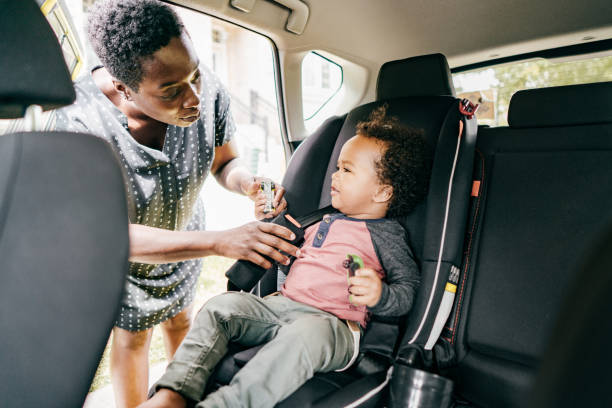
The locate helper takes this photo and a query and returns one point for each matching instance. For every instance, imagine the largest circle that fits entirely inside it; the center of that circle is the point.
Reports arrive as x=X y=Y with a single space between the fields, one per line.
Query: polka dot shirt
x=163 y=189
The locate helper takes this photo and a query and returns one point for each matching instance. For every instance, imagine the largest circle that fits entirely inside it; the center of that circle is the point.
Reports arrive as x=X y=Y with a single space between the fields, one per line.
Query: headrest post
x=33 y=118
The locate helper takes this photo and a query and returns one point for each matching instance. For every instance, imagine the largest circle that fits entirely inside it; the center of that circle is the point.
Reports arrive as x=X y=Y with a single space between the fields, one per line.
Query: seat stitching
x=469 y=249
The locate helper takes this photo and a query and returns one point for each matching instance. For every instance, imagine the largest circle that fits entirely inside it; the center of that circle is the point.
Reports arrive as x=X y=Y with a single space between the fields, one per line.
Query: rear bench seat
x=545 y=194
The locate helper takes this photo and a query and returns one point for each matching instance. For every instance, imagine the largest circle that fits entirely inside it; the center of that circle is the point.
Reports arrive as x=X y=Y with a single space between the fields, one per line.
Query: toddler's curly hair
x=405 y=163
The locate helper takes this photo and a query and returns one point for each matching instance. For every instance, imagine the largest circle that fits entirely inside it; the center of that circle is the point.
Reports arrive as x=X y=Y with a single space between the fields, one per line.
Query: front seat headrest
x=426 y=75
x=32 y=69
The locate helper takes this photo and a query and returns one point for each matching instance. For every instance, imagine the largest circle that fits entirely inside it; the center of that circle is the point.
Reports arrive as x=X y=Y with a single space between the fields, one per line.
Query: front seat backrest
x=63 y=229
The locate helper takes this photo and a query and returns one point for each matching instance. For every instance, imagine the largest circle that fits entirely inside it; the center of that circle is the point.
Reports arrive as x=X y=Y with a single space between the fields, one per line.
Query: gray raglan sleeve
x=402 y=274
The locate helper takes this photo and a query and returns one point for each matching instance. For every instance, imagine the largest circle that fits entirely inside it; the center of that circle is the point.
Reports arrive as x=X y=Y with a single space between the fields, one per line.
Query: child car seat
x=419 y=92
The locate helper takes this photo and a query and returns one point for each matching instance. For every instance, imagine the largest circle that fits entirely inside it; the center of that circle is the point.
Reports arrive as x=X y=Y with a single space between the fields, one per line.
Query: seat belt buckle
x=467 y=108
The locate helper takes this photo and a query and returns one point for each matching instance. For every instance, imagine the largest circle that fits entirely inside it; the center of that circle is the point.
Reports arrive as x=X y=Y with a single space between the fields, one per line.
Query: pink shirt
x=317 y=277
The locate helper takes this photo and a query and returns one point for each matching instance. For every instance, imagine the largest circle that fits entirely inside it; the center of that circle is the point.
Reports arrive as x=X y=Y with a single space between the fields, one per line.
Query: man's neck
x=144 y=129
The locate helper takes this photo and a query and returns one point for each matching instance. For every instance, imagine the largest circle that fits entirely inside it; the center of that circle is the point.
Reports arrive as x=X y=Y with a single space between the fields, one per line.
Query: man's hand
x=365 y=287
x=252 y=240
x=253 y=190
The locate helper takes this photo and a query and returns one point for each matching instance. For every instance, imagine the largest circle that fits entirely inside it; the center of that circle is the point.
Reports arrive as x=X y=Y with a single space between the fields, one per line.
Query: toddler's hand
x=365 y=287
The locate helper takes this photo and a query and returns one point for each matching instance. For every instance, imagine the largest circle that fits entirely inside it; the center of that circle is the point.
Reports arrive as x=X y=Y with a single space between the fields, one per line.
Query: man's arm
x=231 y=173
x=248 y=242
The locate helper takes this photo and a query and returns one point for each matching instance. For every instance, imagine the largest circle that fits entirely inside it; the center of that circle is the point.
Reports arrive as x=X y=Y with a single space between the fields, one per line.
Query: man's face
x=355 y=183
x=170 y=88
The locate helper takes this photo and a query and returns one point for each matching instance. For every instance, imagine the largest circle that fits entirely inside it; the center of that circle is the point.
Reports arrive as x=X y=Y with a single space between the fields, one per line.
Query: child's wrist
x=380 y=299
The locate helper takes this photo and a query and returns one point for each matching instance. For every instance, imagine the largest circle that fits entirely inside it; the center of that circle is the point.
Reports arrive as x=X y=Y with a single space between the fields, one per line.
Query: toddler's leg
x=230 y=316
x=310 y=344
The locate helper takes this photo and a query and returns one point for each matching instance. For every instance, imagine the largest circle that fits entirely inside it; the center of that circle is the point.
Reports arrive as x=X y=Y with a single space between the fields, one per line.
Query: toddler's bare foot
x=165 y=398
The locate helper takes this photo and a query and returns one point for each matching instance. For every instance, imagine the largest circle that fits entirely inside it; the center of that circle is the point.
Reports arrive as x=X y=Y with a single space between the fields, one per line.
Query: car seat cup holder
x=414 y=388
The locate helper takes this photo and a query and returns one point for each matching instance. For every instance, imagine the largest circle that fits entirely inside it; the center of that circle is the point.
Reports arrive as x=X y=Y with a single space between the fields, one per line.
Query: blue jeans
x=301 y=340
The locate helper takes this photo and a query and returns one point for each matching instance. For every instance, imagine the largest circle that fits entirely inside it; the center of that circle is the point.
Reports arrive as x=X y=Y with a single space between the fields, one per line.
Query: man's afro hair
x=125 y=33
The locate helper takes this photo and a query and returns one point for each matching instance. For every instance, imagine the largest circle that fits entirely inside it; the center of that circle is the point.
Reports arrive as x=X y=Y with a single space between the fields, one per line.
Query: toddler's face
x=355 y=183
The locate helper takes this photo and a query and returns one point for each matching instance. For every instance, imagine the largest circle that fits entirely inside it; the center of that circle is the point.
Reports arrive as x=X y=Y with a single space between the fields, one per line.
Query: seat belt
x=307 y=220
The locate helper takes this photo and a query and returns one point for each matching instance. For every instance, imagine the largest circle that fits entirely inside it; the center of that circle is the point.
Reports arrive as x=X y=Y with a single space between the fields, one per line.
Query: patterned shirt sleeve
x=401 y=271
x=82 y=115
x=68 y=120
x=224 y=121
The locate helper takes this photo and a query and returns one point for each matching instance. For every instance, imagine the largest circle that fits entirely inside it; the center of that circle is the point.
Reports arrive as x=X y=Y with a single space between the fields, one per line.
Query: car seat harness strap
x=424 y=319
x=373 y=391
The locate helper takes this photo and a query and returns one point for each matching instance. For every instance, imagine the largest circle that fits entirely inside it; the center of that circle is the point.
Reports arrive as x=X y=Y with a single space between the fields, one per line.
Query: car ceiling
x=371 y=32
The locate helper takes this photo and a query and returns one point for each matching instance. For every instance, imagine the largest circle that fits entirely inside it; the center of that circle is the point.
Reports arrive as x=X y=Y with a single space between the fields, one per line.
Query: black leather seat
x=419 y=92
x=544 y=198
x=63 y=229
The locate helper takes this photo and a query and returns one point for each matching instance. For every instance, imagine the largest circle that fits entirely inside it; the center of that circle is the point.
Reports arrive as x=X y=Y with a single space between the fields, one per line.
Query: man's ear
x=383 y=193
x=123 y=90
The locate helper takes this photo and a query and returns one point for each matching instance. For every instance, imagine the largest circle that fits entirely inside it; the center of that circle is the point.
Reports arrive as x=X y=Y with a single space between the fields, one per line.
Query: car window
x=225 y=48
x=60 y=23
x=321 y=81
x=492 y=87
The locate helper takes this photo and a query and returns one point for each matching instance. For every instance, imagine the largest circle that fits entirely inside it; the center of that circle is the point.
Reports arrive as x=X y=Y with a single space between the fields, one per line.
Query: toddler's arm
x=401 y=271
x=365 y=287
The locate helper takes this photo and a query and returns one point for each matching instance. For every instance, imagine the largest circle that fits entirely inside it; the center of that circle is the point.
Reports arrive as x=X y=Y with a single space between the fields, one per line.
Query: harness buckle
x=467 y=108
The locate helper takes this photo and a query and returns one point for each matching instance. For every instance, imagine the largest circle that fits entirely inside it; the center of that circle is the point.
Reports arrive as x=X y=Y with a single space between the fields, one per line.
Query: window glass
x=59 y=18
x=70 y=55
x=55 y=24
x=321 y=80
x=244 y=62
x=492 y=87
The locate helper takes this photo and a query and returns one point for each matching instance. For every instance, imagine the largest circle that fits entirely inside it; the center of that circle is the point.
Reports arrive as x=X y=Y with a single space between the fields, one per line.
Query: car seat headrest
x=425 y=75
x=32 y=67
x=561 y=106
